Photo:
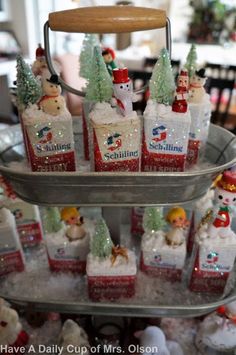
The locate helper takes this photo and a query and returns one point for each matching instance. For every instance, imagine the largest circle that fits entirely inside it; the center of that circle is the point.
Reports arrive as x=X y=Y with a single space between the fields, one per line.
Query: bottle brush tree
x=29 y=88
x=86 y=54
x=153 y=220
x=52 y=220
x=191 y=61
x=101 y=243
x=162 y=84
x=99 y=87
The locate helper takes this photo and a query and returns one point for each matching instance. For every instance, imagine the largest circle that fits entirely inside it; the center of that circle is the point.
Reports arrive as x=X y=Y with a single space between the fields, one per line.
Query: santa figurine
x=218 y=330
x=181 y=93
x=11 y=333
x=225 y=196
x=39 y=66
x=123 y=91
x=52 y=102
x=196 y=88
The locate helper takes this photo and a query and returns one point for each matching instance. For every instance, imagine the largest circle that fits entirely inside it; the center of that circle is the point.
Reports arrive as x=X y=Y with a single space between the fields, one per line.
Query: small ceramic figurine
x=218 y=330
x=39 y=65
x=154 y=338
x=73 y=336
x=178 y=221
x=71 y=216
x=52 y=102
x=196 y=89
x=109 y=59
x=11 y=332
x=225 y=197
x=181 y=94
x=123 y=91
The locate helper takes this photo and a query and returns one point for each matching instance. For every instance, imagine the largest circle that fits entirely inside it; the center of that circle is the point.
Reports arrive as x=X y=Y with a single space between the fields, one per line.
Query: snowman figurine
x=218 y=330
x=181 y=93
x=52 y=102
x=72 y=335
x=196 y=89
x=225 y=196
x=11 y=333
x=154 y=338
x=123 y=91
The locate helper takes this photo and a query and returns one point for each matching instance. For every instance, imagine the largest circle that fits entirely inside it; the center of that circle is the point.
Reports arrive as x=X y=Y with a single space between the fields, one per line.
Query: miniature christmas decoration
x=166 y=132
x=27 y=216
x=39 y=65
x=154 y=338
x=178 y=220
x=67 y=244
x=111 y=270
x=137 y=221
x=200 y=109
x=218 y=330
x=85 y=65
x=48 y=131
x=11 y=333
x=163 y=251
x=181 y=94
x=11 y=254
x=71 y=216
x=28 y=87
x=109 y=59
x=200 y=209
x=86 y=55
x=99 y=87
x=191 y=61
x=73 y=336
x=52 y=220
x=215 y=249
x=197 y=82
x=153 y=220
x=116 y=138
x=123 y=91
x=52 y=102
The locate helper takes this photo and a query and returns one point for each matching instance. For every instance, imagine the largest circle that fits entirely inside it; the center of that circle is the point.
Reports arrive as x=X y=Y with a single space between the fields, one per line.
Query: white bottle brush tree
x=162 y=84
x=191 y=61
x=86 y=54
x=153 y=220
x=52 y=220
x=99 y=87
x=101 y=243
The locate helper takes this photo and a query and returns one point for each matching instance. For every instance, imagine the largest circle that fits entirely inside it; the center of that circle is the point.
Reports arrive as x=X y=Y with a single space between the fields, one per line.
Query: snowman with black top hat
x=52 y=102
x=196 y=89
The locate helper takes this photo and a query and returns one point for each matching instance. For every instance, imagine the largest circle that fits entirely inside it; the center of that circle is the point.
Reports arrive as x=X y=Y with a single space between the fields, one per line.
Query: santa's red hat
x=228 y=181
x=183 y=72
x=120 y=76
x=39 y=51
x=110 y=51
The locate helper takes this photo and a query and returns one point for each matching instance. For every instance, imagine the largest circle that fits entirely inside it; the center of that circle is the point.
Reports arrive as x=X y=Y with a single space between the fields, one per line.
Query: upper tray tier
x=126 y=188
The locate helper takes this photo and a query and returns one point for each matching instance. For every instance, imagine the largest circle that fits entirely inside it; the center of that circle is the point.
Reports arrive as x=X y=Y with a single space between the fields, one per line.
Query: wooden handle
x=107 y=19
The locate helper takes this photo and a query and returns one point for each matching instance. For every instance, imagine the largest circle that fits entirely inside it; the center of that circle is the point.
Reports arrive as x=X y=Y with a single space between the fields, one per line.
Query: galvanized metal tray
x=119 y=309
x=125 y=189
x=68 y=293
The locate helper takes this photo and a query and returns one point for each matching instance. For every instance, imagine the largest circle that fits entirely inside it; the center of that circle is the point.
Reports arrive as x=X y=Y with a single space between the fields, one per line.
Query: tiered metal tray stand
x=114 y=190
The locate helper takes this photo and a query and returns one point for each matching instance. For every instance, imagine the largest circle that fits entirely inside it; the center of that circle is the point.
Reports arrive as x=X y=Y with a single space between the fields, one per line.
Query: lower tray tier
x=42 y=290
